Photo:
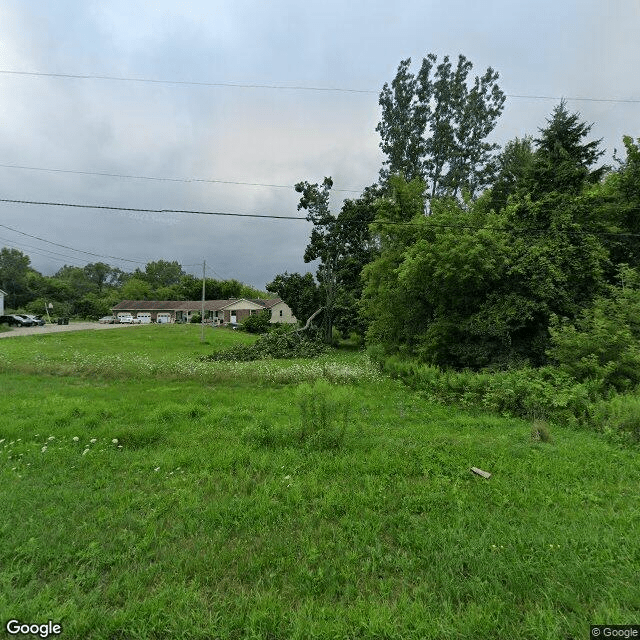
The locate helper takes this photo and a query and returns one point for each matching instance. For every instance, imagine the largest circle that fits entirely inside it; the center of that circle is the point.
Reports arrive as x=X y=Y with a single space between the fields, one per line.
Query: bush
x=196 y=318
x=279 y=343
x=618 y=418
x=258 y=323
x=604 y=343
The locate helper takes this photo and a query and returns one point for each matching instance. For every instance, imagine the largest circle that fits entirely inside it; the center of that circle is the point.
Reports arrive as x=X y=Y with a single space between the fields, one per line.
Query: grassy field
x=146 y=494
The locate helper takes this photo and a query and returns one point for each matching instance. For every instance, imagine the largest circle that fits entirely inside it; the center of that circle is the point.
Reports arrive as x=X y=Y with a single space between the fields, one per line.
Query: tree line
x=91 y=291
x=466 y=255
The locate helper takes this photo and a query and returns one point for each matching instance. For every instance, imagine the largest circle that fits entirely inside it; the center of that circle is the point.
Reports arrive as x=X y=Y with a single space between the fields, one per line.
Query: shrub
x=196 y=318
x=257 y=323
x=618 y=418
x=604 y=342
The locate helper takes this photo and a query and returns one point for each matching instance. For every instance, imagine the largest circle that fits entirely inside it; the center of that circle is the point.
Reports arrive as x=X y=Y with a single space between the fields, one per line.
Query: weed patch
x=546 y=395
x=323 y=421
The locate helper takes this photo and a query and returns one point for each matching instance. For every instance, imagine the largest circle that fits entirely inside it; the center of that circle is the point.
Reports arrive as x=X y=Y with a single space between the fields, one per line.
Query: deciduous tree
x=435 y=126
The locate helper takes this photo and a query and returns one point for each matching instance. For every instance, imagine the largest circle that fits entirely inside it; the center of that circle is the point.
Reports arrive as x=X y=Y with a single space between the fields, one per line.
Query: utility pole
x=204 y=264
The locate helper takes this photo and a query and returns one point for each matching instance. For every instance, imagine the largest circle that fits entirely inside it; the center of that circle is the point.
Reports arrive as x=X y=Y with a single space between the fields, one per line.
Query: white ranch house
x=216 y=312
x=2 y=295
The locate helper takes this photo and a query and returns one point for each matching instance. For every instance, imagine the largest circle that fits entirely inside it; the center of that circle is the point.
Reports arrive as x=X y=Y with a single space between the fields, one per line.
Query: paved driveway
x=59 y=328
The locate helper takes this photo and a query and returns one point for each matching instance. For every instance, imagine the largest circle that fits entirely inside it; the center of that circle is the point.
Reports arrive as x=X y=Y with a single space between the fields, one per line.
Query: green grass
x=211 y=518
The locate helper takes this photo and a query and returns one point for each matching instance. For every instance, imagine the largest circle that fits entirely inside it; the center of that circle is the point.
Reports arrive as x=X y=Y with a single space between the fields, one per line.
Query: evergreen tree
x=563 y=160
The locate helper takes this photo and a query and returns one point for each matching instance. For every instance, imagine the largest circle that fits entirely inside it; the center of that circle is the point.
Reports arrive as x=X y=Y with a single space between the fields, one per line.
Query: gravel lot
x=58 y=328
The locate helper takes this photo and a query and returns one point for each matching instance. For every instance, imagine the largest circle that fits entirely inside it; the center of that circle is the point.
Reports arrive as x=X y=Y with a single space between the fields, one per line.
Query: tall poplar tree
x=435 y=126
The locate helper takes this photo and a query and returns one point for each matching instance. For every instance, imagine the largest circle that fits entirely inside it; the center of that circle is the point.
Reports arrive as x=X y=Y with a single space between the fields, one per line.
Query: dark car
x=16 y=321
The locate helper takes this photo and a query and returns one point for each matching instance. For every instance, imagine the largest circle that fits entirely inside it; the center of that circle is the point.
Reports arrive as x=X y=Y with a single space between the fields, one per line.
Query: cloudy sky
x=201 y=137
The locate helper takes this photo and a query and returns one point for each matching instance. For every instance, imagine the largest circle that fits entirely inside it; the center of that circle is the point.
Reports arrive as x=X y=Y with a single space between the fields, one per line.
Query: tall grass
x=546 y=394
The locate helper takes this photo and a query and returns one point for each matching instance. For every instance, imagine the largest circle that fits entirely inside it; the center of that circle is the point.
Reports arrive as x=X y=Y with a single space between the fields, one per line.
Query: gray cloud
x=584 y=48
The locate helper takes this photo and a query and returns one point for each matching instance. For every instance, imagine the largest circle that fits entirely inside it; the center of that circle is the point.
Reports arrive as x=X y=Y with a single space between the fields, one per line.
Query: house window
x=281 y=313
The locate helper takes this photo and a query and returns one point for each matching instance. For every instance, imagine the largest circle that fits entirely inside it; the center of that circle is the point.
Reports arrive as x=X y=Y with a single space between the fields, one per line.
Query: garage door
x=164 y=318
x=145 y=318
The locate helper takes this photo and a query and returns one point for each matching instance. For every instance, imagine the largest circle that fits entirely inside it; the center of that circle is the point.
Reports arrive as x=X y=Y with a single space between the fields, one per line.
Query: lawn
x=147 y=494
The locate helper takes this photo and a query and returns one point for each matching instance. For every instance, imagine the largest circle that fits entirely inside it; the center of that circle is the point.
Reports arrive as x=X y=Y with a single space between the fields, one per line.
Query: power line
x=234 y=85
x=275 y=217
x=21 y=245
x=142 y=210
x=73 y=261
x=157 y=178
x=64 y=246
x=238 y=85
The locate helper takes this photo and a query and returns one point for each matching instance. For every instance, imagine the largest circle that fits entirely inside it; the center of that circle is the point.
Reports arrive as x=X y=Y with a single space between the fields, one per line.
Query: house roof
x=184 y=305
x=267 y=304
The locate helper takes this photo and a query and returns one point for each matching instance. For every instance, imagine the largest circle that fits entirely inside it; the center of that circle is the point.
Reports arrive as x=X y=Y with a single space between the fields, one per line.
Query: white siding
x=242 y=304
x=281 y=312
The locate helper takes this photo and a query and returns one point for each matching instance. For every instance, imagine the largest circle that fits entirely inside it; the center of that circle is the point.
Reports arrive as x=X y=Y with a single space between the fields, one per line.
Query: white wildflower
x=93 y=440
x=85 y=451
x=44 y=448
x=115 y=441
x=157 y=469
x=51 y=438
x=75 y=438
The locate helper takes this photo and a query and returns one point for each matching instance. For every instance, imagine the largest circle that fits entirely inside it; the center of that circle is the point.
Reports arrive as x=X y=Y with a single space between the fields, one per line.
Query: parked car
x=107 y=320
x=129 y=320
x=37 y=320
x=16 y=321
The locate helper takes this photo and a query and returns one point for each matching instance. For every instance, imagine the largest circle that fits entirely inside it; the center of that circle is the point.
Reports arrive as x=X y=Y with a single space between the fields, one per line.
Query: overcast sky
x=570 y=48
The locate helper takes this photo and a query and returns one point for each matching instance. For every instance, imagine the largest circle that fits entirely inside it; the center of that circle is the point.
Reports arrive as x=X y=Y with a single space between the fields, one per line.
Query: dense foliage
x=434 y=127
x=258 y=322
x=478 y=284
